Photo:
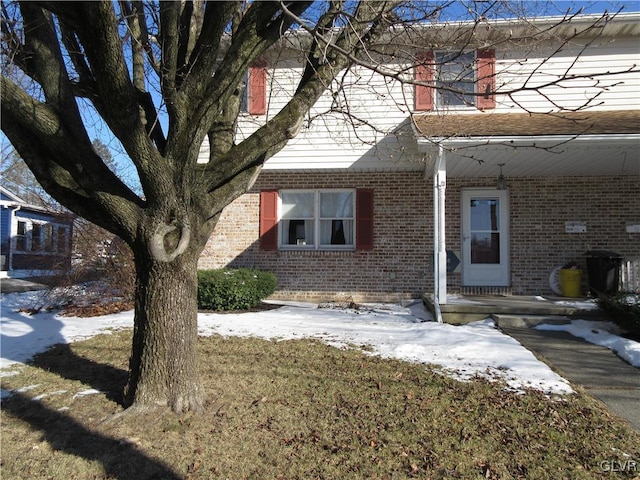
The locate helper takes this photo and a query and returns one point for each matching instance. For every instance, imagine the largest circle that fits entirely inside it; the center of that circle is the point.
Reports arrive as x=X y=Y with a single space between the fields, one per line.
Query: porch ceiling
x=571 y=159
x=575 y=144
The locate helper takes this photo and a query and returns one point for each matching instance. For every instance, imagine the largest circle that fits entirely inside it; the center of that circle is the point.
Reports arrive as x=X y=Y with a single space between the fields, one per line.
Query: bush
x=233 y=289
x=624 y=309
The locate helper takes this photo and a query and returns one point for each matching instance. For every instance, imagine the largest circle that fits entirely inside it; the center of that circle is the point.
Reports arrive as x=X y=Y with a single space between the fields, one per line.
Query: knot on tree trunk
x=164 y=246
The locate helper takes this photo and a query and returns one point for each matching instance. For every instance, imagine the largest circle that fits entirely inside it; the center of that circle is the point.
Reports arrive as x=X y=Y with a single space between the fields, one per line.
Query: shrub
x=233 y=289
x=624 y=309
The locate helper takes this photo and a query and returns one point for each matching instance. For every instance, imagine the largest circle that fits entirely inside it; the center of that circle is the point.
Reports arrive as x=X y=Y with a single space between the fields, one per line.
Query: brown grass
x=298 y=410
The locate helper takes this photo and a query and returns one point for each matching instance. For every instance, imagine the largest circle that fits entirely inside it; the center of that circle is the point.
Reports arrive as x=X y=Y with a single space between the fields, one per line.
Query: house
x=526 y=157
x=34 y=240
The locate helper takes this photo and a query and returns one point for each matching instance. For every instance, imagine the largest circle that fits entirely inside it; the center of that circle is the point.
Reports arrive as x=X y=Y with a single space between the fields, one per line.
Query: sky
x=388 y=330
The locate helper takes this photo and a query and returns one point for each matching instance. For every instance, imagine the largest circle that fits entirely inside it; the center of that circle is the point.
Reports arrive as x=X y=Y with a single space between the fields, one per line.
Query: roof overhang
x=567 y=144
x=487 y=32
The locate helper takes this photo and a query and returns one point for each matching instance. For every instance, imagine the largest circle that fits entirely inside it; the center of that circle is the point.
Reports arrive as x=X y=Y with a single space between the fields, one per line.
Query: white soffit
x=549 y=157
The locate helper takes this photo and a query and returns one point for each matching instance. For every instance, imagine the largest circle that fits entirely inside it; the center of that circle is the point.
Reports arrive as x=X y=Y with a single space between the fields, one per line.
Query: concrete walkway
x=15 y=285
x=600 y=371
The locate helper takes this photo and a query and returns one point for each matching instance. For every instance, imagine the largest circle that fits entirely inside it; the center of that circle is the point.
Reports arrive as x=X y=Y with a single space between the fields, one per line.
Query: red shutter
x=424 y=73
x=269 y=220
x=364 y=219
x=486 y=79
x=258 y=89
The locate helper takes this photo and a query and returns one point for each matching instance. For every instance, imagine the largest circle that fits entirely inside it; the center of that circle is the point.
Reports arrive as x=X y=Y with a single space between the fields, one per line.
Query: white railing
x=630 y=275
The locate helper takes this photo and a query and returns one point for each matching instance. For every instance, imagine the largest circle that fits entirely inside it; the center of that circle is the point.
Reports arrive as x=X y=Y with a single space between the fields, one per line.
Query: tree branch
x=271 y=137
x=96 y=27
x=69 y=171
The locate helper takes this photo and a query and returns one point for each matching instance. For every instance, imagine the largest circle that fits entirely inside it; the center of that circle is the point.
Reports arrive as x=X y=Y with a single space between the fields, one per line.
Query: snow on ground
x=407 y=333
x=25 y=335
x=392 y=331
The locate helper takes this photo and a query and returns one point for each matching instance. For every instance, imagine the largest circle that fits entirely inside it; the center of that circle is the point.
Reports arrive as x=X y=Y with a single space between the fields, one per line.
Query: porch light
x=502 y=182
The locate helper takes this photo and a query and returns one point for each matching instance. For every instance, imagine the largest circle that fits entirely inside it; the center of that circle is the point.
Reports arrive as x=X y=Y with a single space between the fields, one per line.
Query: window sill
x=314 y=252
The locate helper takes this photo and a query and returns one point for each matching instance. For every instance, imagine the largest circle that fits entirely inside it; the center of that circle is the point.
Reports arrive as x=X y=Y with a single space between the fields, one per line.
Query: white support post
x=439 y=243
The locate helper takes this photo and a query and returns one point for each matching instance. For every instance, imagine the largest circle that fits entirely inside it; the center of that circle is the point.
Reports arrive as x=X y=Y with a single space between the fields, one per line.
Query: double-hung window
x=37 y=232
x=317 y=219
x=22 y=237
x=455 y=79
x=62 y=239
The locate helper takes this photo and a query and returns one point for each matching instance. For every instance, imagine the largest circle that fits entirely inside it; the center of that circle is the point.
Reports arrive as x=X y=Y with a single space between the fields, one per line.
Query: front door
x=485 y=238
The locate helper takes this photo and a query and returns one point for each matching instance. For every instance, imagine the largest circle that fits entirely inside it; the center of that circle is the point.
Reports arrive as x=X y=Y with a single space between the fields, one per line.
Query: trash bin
x=570 y=279
x=603 y=269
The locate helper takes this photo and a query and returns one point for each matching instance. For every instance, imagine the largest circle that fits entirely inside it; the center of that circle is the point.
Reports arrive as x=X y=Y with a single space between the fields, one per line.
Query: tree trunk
x=163 y=368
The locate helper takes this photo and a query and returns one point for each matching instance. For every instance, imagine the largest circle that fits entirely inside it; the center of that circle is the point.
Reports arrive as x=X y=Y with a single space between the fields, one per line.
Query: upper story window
x=317 y=219
x=455 y=79
x=461 y=80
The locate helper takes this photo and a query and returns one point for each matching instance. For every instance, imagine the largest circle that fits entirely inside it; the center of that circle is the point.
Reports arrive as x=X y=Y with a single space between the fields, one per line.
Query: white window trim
x=317 y=220
x=437 y=97
x=28 y=236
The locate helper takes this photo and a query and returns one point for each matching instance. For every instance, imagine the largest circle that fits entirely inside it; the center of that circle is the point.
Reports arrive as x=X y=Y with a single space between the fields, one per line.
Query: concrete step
x=528 y=321
x=471 y=308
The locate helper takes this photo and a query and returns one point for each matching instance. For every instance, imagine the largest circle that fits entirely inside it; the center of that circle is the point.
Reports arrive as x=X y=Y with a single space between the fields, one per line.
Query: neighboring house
x=34 y=241
x=355 y=206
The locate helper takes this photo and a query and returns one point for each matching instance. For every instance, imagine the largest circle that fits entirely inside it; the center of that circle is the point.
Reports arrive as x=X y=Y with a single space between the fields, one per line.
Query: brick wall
x=400 y=265
x=540 y=207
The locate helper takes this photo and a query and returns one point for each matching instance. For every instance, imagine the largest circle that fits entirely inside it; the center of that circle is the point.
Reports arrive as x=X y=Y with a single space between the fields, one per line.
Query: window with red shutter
x=329 y=219
x=461 y=80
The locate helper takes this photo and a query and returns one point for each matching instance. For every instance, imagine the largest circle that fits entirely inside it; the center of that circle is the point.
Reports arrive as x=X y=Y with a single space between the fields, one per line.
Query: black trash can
x=603 y=269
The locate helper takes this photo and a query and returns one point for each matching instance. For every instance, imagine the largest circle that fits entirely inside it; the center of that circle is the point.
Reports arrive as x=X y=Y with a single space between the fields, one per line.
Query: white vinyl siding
x=373 y=132
x=516 y=69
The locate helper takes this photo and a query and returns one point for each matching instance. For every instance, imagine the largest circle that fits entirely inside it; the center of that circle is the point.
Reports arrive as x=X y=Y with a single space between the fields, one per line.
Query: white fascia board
x=11 y=195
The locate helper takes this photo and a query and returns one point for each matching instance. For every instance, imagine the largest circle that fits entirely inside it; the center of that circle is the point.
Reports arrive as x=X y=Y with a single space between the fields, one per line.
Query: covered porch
x=516 y=149
x=512 y=310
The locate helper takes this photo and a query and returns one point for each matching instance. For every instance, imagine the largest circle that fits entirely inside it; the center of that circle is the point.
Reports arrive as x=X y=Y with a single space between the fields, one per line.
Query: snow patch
x=395 y=331
x=603 y=334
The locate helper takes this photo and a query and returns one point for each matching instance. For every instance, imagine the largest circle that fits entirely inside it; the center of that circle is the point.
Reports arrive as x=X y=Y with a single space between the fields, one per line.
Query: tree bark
x=163 y=368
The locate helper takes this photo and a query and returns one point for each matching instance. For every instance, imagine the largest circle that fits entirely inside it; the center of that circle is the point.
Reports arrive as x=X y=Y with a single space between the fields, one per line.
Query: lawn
x=299 y=409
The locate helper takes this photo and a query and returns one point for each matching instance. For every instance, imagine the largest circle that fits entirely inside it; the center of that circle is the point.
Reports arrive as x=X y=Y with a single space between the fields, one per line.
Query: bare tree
x=97 y=253
x=163 y=76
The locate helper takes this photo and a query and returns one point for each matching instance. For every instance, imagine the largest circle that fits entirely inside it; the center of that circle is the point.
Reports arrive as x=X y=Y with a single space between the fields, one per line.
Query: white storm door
x=485 y=238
